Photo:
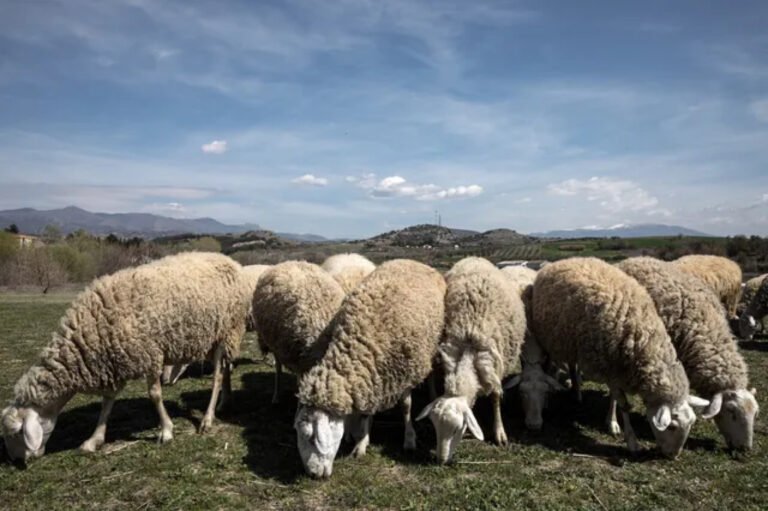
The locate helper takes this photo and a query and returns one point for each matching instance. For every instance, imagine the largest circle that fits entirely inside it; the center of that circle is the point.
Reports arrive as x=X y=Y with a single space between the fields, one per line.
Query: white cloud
x=759 y=109
x=612 y=194
x=215 y=147
x=397 y=186
x=310 y=180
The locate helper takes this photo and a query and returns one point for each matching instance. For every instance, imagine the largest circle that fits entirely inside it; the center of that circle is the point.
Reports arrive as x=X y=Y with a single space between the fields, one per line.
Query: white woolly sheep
x=484 y=329
x=702 y=338
x=721 y=275
x=521 y=276
x=124 y=326
x=172 y=373
x=293 y=303
x=587 y=312
x=754 y=312
x=348 y=269
x=382 y=342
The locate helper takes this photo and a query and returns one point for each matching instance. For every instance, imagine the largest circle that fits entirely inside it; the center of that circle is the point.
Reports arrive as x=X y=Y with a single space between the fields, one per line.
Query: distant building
x=25 y=240
x=534 y=265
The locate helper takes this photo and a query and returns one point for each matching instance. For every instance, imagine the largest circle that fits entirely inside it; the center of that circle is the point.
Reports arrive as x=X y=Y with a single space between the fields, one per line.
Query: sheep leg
x=97 y=438
x=610 y=419
x=177 y=372
x=432 y=386
x=278 y=372
x=410 y=434
x=207 y=421
x=364 y=433
x=226 y=387
x=500 y=436
x=575 y=381
x=156 y=395
x=629 y=433
x=167 y=372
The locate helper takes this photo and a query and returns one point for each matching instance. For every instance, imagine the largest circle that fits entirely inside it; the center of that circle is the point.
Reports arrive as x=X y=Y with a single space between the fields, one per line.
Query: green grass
x=250 y=461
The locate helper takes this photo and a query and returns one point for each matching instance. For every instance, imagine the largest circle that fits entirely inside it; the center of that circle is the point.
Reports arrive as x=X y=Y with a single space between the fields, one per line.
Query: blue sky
x=349 y=118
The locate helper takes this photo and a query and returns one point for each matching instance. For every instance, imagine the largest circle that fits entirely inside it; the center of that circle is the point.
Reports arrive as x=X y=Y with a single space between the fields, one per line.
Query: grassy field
x=250 y=461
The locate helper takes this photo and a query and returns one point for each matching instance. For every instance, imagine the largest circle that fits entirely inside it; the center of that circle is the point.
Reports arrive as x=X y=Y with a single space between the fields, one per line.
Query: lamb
x=172 y=373
x=721 y=275
x=754 y=312
x=587 y=312
x=484 y=329
x=702 y=338
x=348 y=269
x=293 y=303
x=125 y=326
x=381 y=345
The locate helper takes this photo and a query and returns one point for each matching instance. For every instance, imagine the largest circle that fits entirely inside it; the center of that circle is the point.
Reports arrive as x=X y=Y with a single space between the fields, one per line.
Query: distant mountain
x=69 y=219
x=420 y=235
x=497 y=237
x=622 y=231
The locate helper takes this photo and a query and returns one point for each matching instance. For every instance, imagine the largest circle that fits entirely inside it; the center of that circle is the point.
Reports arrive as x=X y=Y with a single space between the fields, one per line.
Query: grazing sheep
x=124 y=326
x=521 y=276
x=721 y=275
x=754 y=312
x=748 y=290
x=702 y=338
x=484 y=329
x=293 y=303
x=587 y=312
x=348 y=269
x=172 y=373
x=382 y=342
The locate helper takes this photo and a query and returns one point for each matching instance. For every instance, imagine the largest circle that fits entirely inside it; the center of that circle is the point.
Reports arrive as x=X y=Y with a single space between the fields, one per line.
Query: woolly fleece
x=382 y=341
x=126 y=325
x=721 y=275
x=694 y=320
x=588 y=312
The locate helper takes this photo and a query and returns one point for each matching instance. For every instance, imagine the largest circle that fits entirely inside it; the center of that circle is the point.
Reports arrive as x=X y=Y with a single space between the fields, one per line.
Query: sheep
x=754 y=312
x=702 y=338
x=587 y=312
x=125 y=326
x=522 y=277
x=348 y=269
x=721 y=275
x=294 y=301
x=381 y=345
x=484 y=329
x=172 y=373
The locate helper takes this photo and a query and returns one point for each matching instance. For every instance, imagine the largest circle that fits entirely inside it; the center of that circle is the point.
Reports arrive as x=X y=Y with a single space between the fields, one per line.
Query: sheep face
x=747 y=327
x=25 y=432
x=535 y=386
x=671 y=426
x=318 y=436
x=451 y=417
x=736 y=418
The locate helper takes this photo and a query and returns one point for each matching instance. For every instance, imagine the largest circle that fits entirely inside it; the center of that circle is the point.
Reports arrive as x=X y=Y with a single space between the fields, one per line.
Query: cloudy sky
x=348 y=118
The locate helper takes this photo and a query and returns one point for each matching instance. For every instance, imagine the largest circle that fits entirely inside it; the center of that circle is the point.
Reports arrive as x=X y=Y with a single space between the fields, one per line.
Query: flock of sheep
x=360 y=338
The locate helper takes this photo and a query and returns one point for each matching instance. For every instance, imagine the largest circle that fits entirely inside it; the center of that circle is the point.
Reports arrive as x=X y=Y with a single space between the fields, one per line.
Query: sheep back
x=382 y=341
x=294 y=301
x=127 y=325
x=693 y=317
x=348 y=269
x=721 y=275
x=588 y=312
x=484 y=315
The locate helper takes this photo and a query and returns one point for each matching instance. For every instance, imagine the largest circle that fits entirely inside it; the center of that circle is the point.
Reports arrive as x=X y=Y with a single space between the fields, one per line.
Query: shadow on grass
x=761 y=345
x=129 y=417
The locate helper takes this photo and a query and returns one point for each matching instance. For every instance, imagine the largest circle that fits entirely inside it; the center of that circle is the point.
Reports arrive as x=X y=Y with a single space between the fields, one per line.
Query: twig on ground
x=596 y=497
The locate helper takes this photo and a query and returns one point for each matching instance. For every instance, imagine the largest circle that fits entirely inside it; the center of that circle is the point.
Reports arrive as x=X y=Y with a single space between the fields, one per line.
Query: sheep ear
x=698 y=402
x=663 y=418
x=427 y=409
x=713 y=408
x=33 y=431
x=471 y=423
x=11 y=424
x=553 y=383
x=753 y=391
x=514 y=382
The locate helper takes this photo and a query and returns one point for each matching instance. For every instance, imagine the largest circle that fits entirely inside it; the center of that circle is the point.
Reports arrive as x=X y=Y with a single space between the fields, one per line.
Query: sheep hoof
x=165 y=437
x=410 y=443
x=501 y=439
x=633 y=446
x=205 y=426
x=614 y=428
x=359 y=451
x=91 y=445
